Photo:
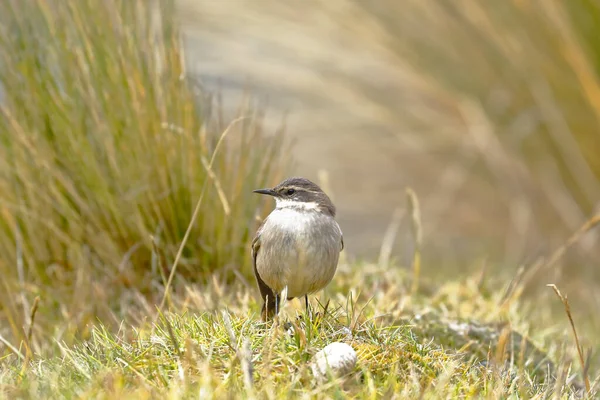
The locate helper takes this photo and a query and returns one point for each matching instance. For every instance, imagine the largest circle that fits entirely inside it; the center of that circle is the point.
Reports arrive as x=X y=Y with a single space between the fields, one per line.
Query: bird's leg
x=309 y=313
x=270 y=307
x=277 y=298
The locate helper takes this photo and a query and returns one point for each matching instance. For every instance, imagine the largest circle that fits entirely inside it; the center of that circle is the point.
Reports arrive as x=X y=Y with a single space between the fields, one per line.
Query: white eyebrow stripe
x=286 y=203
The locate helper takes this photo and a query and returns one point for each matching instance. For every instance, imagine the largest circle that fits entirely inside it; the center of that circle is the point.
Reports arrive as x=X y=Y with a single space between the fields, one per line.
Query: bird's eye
x=290 y=192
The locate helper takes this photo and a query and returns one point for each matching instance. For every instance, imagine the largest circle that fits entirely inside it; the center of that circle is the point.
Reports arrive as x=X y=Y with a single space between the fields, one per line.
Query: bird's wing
x=341 y=237
x=255 y=247
x=265 y=291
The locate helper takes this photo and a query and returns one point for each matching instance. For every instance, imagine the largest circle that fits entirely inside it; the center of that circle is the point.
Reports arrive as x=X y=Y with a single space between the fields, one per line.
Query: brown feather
x=269 y=299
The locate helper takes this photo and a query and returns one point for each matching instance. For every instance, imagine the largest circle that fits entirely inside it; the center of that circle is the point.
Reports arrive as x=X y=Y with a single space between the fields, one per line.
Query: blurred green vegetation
x=105 y=143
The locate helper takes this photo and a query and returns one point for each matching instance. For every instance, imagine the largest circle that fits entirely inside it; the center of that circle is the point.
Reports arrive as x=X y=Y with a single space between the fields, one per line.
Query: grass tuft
x=105 y=144
x=565 y=302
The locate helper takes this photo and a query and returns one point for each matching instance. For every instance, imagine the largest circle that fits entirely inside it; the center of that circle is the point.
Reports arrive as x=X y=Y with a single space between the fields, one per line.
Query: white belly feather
x=298 y=249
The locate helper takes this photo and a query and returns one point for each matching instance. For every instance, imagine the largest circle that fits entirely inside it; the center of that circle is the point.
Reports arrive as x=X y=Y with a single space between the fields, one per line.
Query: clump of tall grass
x=104 y=148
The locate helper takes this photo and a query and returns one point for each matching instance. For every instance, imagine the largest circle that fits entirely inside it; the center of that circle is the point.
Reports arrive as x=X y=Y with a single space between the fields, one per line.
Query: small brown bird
x=298 y=244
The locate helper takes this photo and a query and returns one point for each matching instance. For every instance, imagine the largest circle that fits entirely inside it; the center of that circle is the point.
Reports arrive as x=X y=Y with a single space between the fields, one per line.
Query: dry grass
x=105 y=147
x=582 y=362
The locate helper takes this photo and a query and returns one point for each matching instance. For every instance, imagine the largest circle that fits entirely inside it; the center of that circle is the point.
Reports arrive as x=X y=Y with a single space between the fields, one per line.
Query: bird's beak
x=269 y=192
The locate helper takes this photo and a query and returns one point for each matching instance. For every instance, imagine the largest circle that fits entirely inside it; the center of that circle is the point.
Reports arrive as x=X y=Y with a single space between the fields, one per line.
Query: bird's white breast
x=299 y=249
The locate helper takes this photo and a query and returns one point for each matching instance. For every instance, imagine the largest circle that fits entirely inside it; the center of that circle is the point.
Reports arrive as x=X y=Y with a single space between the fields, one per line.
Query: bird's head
x=300 y=193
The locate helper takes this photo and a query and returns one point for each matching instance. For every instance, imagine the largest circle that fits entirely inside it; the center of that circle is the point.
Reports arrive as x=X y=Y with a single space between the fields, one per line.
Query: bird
x=297 y=246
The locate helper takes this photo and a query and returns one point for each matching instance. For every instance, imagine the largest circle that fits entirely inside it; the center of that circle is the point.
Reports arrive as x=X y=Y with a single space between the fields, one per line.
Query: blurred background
x=111 y=112
x=488 y=110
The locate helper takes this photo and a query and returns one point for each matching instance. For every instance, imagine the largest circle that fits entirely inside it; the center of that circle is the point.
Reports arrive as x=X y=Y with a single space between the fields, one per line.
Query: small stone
x=339 y=358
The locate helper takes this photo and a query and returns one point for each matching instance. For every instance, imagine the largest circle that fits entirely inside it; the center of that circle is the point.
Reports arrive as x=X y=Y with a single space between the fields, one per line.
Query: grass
x=453 y=340
x=517 y=100
x=116 y=167
x=105 y=151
